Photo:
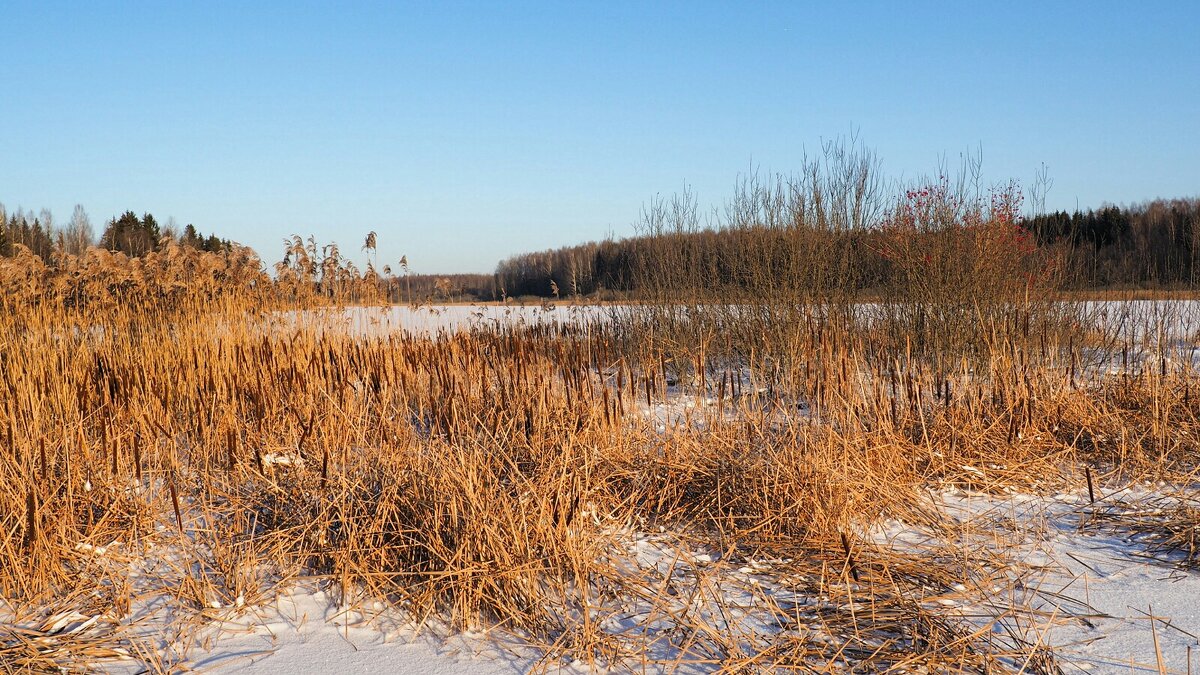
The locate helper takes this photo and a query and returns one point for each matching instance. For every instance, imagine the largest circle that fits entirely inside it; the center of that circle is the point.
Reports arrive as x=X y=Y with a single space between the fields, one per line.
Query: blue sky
x=464 y=133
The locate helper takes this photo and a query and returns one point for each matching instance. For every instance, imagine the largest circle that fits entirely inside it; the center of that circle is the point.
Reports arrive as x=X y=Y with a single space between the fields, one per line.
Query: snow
x=282 y=459
x=1107 y=607
x=304 y=632
x=1135 y=604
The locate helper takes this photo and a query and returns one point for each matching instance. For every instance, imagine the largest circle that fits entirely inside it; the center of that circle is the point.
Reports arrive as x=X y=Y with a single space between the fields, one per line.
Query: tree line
x=1153 y=244
x=767 y=244
x=127 y=233
x=307 y=268
x=1156 y=243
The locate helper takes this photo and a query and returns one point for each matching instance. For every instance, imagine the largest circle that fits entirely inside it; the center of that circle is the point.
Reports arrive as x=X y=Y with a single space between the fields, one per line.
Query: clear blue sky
x=464 y=133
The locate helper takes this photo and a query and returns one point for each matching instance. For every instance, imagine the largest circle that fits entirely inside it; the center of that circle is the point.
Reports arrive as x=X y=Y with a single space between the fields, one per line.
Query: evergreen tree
x=150 y=228
x=131 y=235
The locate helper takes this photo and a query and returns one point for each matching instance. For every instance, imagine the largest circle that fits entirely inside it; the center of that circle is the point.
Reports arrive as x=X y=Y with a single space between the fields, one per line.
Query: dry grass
x=499 y=477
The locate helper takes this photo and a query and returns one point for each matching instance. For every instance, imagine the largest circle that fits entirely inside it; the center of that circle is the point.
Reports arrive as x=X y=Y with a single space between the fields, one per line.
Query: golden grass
x=494 y=477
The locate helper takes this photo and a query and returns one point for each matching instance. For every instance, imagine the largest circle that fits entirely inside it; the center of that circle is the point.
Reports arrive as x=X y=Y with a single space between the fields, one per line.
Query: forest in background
x=1153 y=245
x=1150 y=245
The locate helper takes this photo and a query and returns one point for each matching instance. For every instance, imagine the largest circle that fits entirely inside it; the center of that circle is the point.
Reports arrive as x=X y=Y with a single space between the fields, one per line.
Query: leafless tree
x=77 y=236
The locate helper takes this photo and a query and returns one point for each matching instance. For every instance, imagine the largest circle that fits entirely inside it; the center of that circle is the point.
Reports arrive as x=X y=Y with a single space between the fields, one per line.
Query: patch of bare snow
x=1106 y=606
x=303 y=631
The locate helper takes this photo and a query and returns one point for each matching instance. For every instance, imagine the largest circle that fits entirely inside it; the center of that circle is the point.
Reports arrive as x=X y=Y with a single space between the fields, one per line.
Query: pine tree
x=131 y=235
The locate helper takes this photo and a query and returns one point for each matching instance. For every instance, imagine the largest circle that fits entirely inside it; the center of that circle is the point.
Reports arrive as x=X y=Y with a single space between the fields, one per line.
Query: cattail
x=137 y=456
x=231 y=447
x=45 y=463
x=324 y=464
x=31 y=523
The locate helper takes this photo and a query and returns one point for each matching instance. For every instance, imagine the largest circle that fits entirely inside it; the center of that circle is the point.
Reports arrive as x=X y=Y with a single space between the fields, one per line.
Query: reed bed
x=602 y=493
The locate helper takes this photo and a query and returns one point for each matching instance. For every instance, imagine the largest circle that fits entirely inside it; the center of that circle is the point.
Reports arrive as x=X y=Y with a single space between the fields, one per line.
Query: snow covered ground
x=1107 y=606
x=303 y=632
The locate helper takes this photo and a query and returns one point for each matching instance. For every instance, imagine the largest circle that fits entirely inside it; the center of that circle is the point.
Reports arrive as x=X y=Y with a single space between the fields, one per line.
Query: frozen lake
x=1169 y=320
